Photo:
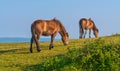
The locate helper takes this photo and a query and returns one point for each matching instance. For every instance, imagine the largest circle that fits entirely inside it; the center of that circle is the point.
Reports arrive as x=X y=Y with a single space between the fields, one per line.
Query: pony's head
x=65 y=39
x=63 y=32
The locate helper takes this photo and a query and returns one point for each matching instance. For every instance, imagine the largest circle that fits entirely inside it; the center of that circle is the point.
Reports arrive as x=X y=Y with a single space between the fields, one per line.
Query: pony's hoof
x=51 y=47
x=79 y=37
x=38 y=50
x=31 y=51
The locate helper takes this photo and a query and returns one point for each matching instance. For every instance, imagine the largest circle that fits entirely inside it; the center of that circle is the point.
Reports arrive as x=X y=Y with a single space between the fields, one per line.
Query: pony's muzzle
x=66 y=43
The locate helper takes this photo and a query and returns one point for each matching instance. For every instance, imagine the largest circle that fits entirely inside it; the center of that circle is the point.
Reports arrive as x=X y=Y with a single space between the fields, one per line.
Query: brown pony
x=47 y=28
x=87 y=24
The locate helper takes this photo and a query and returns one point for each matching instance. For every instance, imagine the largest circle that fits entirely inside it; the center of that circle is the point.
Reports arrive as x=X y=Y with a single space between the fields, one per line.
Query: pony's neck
x=94 y=27
x=62 y=30
x=62 y=34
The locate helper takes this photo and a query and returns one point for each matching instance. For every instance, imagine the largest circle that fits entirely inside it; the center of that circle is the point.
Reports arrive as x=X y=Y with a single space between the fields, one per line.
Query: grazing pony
x=87 y=24
x=47 y=28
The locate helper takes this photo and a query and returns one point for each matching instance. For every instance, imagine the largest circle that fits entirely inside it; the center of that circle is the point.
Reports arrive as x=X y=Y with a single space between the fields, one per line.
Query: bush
x=55 y=63
x=97 y=56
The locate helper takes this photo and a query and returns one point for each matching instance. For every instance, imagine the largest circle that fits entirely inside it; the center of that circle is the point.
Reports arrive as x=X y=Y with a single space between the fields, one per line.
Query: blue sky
x=16 y=16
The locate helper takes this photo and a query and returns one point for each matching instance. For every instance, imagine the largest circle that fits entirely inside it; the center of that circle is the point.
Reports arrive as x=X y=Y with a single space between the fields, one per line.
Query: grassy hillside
x=94 y=54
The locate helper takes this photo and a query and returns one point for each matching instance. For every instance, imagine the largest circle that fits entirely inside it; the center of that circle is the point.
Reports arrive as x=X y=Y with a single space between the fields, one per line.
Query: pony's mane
x=95 y=28
x=60 y=24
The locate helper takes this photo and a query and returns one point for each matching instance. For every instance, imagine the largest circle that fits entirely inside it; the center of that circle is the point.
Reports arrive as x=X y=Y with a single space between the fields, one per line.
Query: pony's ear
x=89 y=18
x=54 y=18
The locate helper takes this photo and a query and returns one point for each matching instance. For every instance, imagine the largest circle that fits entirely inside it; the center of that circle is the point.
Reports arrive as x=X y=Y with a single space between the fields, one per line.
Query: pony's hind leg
x=37 y=43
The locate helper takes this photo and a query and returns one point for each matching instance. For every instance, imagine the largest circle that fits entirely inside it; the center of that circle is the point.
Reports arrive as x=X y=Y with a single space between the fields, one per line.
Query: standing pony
x=87 y=24
x=47 y=28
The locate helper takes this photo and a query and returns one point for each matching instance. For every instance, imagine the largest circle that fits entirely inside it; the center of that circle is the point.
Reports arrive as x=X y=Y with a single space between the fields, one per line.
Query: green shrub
x=97 y=56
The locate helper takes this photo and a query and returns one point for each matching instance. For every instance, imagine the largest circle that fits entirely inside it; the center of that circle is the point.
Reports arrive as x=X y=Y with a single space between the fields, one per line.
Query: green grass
x=94 y=54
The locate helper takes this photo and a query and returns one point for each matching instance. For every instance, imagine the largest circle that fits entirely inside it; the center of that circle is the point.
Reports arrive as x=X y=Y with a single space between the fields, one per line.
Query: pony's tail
x=33 y=32
x=33 y=37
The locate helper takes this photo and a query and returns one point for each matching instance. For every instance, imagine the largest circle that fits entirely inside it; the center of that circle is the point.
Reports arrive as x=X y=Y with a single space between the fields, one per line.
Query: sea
x=20 y=40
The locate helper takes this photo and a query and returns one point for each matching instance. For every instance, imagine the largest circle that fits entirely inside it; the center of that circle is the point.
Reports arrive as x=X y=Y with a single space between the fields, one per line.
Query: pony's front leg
x=89 y=33
x=51 y=43
x=85 y=33
x=51 y=46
